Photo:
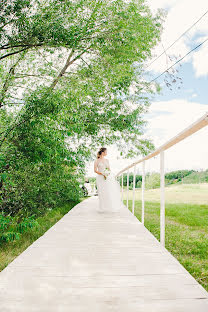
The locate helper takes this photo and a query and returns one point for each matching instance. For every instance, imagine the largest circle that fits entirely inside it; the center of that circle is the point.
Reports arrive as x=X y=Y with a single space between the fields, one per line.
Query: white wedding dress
x=108 y=190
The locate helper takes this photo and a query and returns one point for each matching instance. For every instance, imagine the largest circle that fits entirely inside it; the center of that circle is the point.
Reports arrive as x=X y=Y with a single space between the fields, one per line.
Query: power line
x=180 y=59
x=177 y=39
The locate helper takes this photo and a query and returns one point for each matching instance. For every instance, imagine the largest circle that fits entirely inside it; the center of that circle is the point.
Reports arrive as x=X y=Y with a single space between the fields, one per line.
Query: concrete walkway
x=95 y=262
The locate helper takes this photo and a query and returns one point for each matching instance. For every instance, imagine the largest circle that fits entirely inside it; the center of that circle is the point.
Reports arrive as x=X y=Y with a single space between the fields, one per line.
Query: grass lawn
x=10 y=250
x=186 y=224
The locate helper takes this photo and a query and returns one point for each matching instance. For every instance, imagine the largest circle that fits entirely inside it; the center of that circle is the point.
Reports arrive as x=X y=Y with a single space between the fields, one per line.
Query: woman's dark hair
x=102 y=149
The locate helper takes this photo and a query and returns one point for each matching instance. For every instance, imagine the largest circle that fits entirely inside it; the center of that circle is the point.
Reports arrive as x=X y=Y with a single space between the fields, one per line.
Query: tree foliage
x=71 y=80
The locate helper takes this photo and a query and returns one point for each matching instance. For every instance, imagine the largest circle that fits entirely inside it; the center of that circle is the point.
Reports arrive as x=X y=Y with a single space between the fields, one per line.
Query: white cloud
x=173 y=116
x=200 y=59
x=170 y=118
x=165 y=120
x=165 y=4
x=181 y=15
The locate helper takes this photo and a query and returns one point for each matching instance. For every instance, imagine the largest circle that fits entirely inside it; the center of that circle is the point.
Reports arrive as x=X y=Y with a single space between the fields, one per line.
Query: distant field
x=186 y=224
x=182 y=193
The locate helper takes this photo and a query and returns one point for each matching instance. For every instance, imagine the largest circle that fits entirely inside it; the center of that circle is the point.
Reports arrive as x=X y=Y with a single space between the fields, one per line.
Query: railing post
x=143 y=186
x=162 y=199
x=127 y=195
x=133 y=200
x=122 y=186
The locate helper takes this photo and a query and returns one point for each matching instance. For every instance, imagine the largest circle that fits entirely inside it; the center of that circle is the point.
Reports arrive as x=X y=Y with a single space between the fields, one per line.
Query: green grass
x=10 y=250
x=186 y=234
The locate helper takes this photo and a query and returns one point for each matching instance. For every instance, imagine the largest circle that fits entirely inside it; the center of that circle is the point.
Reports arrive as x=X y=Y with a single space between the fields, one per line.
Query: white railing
x=200 y=123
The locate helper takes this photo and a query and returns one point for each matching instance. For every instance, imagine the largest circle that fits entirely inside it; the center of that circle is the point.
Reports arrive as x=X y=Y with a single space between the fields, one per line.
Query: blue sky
x=194 y=89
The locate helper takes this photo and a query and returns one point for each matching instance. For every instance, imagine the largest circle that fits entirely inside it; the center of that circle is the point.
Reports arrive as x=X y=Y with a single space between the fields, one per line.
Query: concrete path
x=93 y=262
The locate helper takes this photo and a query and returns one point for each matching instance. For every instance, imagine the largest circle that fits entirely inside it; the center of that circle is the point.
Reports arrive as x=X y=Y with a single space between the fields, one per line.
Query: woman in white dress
x=107 y=186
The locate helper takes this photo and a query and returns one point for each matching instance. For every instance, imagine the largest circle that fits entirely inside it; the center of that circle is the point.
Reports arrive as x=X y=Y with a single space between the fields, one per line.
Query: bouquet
x=106 y=173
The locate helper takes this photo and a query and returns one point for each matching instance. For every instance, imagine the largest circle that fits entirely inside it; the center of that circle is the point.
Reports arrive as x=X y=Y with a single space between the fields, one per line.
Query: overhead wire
x=177 y=39
x=180 y=59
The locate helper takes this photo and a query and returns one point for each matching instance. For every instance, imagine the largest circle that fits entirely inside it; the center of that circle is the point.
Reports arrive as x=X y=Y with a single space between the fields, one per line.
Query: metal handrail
x=194 y=127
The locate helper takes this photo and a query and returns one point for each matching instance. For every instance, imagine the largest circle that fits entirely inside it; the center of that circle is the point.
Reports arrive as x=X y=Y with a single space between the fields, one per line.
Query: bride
x=107 y=185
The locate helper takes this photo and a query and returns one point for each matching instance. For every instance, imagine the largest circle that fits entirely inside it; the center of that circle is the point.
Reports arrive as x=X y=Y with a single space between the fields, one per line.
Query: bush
x=11 y=228
x=152 y=181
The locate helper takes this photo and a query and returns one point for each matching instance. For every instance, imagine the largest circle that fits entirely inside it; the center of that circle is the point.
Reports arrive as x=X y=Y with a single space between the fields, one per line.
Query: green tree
x=152 y=180
x=67 y=74
x=102 y=55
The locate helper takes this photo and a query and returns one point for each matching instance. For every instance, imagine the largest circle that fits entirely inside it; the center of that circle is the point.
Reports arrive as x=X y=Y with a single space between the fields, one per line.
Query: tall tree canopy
x=72 y=80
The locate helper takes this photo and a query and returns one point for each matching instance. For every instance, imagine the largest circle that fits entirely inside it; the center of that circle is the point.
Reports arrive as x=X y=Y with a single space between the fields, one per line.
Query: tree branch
x=8 y=78
x=7 y=46
x=68 y=63
x=12 y=53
